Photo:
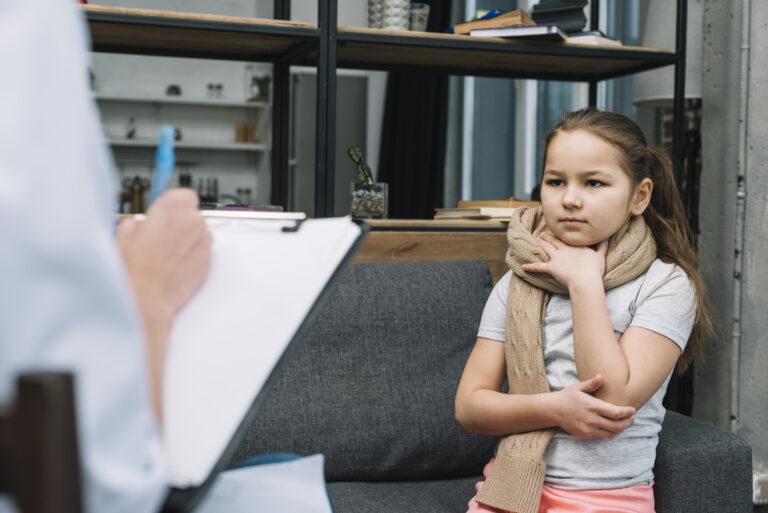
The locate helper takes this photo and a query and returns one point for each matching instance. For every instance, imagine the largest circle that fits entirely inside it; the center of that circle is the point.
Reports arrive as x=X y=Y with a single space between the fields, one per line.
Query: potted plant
x=369 y=198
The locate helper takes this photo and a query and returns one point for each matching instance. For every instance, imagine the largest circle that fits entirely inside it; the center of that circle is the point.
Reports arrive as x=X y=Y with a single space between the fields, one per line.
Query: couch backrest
x=372 y=385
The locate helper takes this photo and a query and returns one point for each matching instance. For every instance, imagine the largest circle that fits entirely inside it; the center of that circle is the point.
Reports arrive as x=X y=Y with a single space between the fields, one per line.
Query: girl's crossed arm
x=482 y=408
x=635 y=367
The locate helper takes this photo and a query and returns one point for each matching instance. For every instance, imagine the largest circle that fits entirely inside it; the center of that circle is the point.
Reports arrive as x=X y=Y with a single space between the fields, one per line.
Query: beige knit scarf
x=516 y=479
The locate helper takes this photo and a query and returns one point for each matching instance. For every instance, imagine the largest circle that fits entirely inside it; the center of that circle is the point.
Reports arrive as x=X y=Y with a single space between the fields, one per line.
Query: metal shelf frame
x=329 y=47
x=331 y=40
x=461 y=49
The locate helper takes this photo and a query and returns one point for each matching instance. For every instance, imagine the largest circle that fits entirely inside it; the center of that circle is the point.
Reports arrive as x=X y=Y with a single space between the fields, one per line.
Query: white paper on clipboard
x=262 y=284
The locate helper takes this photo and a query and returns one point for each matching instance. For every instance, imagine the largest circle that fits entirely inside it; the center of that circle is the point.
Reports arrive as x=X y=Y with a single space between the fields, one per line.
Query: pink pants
x=633 y=499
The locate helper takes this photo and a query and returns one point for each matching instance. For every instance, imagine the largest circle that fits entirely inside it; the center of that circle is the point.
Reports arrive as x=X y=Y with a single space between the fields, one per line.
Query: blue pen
x=165 y=161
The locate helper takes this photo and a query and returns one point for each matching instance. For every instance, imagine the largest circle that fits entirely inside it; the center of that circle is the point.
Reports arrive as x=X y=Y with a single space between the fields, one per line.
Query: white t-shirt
x=661 y=300
x=65 y=302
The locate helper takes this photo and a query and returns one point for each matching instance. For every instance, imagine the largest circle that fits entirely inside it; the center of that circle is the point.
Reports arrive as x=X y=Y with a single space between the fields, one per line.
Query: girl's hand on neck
x=571 y=266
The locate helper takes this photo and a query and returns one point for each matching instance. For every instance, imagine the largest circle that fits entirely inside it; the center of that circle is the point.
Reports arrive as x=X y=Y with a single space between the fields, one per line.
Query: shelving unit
x=181 y=100
x=204 y=36
x=191 y=145
x=121 y=142
x=492 y=57
x=328 y=47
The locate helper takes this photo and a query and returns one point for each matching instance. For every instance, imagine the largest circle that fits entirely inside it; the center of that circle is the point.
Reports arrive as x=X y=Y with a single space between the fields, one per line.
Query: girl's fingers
x=611 y=411
x=551 y=239
x=547 y=246
x=535 y=268
x=613 y=426
x=592 y=384
x=602 y=248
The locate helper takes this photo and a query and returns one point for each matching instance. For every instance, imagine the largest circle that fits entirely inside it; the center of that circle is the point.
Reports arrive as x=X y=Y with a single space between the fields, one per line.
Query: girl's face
x=585 y=194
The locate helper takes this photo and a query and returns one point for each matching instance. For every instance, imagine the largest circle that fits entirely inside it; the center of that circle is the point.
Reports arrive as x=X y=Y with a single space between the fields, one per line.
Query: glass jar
x=369 y=200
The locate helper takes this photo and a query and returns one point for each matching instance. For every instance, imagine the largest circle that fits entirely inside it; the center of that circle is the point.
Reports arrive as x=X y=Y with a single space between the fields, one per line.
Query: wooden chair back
x=39 y=461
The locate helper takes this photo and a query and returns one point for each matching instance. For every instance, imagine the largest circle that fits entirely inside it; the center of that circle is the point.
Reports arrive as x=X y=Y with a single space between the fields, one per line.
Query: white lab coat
x=64 y=296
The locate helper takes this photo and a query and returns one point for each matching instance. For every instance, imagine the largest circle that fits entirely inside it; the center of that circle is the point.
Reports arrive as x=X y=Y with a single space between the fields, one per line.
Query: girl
x=602 y=295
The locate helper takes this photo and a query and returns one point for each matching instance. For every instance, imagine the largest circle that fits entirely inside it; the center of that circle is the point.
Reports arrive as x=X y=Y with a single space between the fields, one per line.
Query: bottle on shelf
x=185 y=180
x=130 y=129
x=244 y=195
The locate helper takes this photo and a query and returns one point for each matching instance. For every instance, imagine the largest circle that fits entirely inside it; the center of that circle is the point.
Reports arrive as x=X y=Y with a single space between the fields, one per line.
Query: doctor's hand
x=167 y=257
x=585 y=416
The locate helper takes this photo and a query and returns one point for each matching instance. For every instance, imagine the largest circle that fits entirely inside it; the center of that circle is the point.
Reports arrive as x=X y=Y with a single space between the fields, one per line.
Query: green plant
x=363 y=171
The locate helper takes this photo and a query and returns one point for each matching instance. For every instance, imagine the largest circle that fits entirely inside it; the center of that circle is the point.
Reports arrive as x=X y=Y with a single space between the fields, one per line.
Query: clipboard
x=329 y=252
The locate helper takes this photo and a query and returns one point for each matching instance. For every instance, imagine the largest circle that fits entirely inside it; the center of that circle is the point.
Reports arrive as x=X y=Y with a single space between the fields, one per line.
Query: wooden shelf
x=189 y=145
x=437 y=225
x=464 y=55
x=155 y=32
x=180 y=100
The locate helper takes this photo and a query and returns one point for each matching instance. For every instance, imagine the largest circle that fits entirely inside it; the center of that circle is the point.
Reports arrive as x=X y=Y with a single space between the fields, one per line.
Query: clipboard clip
x=295 y=228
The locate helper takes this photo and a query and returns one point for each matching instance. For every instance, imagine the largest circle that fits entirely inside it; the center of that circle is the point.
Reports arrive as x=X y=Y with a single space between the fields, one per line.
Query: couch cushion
x=444 y=496
x=701 y=468
x=372 y=384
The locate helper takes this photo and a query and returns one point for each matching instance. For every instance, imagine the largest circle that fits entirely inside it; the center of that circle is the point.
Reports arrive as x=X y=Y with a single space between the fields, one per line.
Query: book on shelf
x=253 y=214
x=244 y=211
x=594 y=37
x=516 y=18
x=538 y=32
x=503 y=203
x=474 y=213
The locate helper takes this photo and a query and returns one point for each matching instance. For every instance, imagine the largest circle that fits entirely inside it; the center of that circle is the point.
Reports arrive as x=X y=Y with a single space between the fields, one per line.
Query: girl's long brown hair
x=665 y=215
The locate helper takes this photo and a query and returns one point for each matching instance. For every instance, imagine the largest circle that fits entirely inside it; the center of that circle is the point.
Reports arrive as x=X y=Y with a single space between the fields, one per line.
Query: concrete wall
x=754 y=357
x=721 y=125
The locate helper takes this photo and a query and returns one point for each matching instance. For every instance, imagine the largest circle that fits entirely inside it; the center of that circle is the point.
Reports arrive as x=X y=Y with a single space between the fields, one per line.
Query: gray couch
x=372 y=385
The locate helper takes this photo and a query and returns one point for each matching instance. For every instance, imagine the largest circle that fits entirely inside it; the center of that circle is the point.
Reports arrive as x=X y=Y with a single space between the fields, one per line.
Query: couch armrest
x=701 y=468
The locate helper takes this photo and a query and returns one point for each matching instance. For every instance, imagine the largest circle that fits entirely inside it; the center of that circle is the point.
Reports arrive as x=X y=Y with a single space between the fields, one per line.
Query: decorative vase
x=389 y=14
x=369 y=200
x=375 y=13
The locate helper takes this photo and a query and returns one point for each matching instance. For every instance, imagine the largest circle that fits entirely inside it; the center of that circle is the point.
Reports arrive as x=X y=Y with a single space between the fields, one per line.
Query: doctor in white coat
x=67 y=301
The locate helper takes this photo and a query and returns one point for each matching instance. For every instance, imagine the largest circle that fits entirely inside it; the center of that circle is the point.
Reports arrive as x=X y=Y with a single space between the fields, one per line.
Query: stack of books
x=483 y=209
x=495 y=20
x=538 y=32
x=516 y=24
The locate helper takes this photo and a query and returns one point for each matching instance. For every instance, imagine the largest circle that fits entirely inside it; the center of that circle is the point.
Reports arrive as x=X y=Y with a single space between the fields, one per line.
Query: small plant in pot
x=369 y=198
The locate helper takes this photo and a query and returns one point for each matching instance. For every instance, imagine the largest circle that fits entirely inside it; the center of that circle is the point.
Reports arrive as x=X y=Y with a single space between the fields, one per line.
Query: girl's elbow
x=467 y=425
x=461 y=414
x=627 y=395
x=462 y=422
x=616 y=397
